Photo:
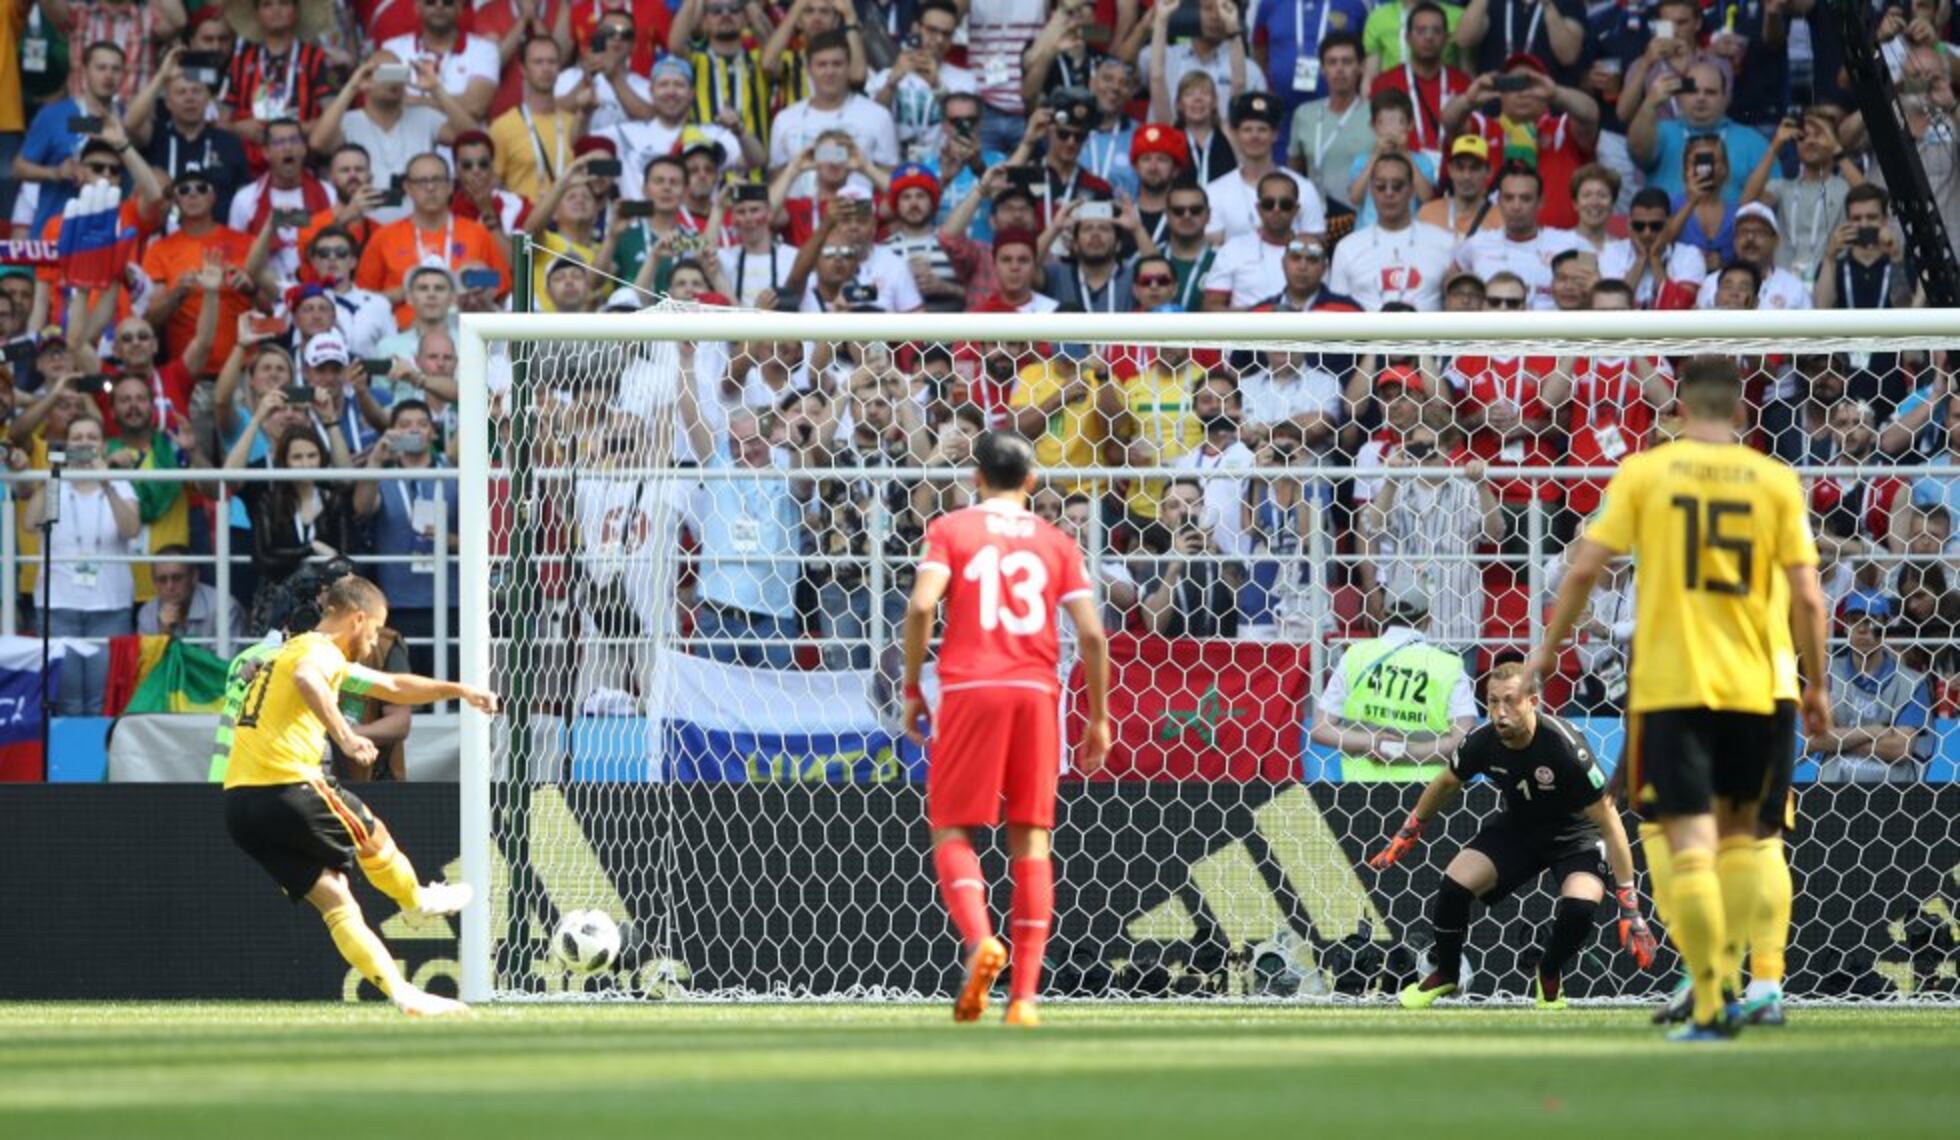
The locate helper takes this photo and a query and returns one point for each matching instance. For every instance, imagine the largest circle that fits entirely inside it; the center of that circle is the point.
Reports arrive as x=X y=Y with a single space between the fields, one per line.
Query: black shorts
x=1679 y=761
x=1778 y=811
x=1521 y=856
x=296 y=831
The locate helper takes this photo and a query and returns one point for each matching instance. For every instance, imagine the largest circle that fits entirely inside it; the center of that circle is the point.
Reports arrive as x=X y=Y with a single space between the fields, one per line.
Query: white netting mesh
x=695 y=598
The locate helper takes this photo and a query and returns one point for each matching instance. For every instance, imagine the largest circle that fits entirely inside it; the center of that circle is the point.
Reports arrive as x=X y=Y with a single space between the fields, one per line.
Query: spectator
x=184 y=135
x=1879 y=708
x=1574 y=273
x=1549 y=127
x=912 y=87
x=388 y=127
x=1501 y=405
x=1805 y=204
x=663 y=132
x=400 y=246
x=1116 y=586
x=1864 y=261
x=1424 y=530
x=1756 y=239
x=832 y=105
x=1608 y=405
x=1397 y=258
x=1065 y=408
x=1753 y=40
x=1106 y=152
x=1659 y=147
x=48 y=156
x=998 y=33
x=1389 y=115
x=1190 y=590
x=1426 y=76
x=1663 y=274
x=293 y=522
x=1234 y=197
x=1158 y=423
x=532 y=142
x=282 y=77
x=1493 y=32
x=1221 y=501
x=1015 y=264
x=84 y=598
x=734 y=94
x=1249 y=267
x=883 y=271
x=1466 y=207
x=1304 y=267
x=1704 y=219
x=141 y=442
x=174 y=261
x=960 y=160
x=1191 y=256
x=135 y=29
x=788 y=57
x=1065 y=129
x=1386 y=733
x=464 y=66
x=1161 y=157
x=1275 y=602
x=351 y=174
x=1524 y=246
x=1291 y=41
x=1328 y=134
x=1196 y=113
x=183 y=606
x=914 y=205
x=1218 y=50
x=758 y=265
x=1594 y=189
x=1291 y=390
x=1389 y=38
x=1094 y=277
x=1013 y=211
x=1661 y=56
x=286 y=196
x=1060 y=58
x=749 y=528
x=571 y=211
x=407 y=514
x=1153 y=287
x=364 y=318
x=1401 y=393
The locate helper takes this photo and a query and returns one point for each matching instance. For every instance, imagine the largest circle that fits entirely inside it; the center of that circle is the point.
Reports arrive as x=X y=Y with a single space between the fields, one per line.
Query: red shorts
x=991 y=743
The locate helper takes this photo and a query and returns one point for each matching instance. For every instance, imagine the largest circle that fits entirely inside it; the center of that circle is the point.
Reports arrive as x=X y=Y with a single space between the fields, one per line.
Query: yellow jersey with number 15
x=278 y=739
x=1711 y=528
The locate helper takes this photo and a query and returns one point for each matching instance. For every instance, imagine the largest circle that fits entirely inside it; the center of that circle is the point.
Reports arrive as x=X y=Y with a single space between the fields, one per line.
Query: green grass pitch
x=285 y=1072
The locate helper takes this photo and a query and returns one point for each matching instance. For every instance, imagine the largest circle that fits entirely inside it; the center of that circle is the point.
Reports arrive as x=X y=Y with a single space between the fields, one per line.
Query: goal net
x=689 y=535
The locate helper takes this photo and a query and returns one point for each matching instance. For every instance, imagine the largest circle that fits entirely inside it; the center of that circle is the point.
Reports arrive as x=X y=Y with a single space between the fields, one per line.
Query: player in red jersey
x=1002 y=573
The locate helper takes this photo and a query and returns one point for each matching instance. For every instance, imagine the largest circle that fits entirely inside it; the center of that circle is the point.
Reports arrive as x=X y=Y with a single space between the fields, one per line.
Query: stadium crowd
x=302 y=196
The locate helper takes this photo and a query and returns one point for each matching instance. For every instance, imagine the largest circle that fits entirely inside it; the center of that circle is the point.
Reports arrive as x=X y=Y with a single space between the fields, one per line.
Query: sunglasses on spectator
x=1646 y=227
x=1073 y=134
x=184 y=188
x=1504 y=302
x=724 y=9
x=334 y=251
x=1190 y=211
x=103 y=168
x=1278 y=203
x=473 y=164
x=1157 y=280
x=136 y=336
x=839 y=251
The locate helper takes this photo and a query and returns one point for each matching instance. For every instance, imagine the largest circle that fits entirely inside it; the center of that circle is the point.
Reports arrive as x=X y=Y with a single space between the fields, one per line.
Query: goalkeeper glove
x=1635 y=938
x=1404 y=842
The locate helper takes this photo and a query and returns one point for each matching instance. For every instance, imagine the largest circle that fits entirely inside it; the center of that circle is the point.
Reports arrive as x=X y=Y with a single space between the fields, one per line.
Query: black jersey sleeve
x=1472 y=755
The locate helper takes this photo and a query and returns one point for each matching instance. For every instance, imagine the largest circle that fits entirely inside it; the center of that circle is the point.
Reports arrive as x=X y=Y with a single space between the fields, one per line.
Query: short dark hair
x=1740 y=266
x=834 y=40
x=1428 y=6
x=1867 y=192
x=354 y=592
x=1522 y=170
x=1612 y=286
x=103 y=45
x=946 y=6
x=326 y=232
x=1280 y=175
x=396 y=409
x=1408 y=167
x=357 y=148
x=1651 y=198
x=173 y=550
x=1390 y=99
x=1711 y=387
x=1334 y=40
x=1005 y=460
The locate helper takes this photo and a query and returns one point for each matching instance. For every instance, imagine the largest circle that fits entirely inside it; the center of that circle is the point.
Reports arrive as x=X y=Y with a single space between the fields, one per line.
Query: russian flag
x=20 y=707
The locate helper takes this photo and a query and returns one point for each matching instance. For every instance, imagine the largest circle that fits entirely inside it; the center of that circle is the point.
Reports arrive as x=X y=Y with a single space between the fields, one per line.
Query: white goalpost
x=683 y=534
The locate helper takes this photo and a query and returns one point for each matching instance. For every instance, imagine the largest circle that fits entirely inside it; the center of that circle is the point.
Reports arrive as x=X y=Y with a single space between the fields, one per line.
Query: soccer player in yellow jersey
x=290 y=816
x=1725 y=572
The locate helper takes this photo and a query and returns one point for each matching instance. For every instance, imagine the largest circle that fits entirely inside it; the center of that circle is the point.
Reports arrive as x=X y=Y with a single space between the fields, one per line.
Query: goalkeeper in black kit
x=1556 y=818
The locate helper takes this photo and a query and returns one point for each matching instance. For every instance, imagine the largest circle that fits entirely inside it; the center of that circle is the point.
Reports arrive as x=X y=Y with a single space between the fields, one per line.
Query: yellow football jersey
x=277 y=738
x=1712 y=528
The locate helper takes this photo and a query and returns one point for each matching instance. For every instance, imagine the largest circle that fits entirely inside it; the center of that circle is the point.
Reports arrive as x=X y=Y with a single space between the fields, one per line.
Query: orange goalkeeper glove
x=1404 y=842
x=1635 y=938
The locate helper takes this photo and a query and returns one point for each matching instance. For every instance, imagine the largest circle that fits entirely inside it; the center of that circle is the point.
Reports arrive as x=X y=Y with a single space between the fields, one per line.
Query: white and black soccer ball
x=585 y=941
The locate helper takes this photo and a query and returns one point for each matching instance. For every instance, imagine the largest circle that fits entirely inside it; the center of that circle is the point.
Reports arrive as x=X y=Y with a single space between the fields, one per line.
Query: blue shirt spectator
x=1292 y=31
x=50 y=144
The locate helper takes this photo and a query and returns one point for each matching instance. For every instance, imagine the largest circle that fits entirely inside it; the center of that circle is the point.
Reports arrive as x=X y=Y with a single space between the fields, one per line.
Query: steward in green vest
x=1396 y=706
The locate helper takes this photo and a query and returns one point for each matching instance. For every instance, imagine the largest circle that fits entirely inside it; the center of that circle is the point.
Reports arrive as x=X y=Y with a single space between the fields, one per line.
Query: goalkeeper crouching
x=1556 y=818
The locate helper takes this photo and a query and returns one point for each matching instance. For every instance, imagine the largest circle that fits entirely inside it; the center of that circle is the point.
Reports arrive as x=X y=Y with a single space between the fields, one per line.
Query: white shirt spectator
x=1430 y=543
x=1249 y=268
x=915 y=109
x=389 y=151
x=1782 y=290
x=799 y=124
x=887 y=272
x=477 y=58
x=1491 y=252
x=1235 y=206
x=1684 y=263
x=364 y=318
x=1266 y=398
x=1375 y=266
x=285 y=244
x=998 y=32
x=640 y=143
x=1222 y=510
x=86 y=529
x=200 y=616
x=752 y=273
x=608 y=113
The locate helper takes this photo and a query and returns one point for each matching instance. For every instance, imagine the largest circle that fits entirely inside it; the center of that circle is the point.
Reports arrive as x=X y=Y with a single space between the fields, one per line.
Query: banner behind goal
x=689 y=535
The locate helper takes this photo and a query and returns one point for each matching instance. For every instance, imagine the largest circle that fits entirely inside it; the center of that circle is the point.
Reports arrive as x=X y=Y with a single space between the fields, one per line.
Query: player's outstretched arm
x=1093 y=644
x=927 y=588
x=1635 y=938
x=415 y=689
x=1589 y=561
x=1441 y=793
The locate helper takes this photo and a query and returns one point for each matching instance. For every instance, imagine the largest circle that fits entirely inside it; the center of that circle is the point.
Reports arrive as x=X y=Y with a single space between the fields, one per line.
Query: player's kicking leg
x=965 y=893
x=1468 y=877
x=364 y=950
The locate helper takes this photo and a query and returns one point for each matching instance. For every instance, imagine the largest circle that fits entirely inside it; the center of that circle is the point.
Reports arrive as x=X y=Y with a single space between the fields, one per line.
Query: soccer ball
x=586 y=940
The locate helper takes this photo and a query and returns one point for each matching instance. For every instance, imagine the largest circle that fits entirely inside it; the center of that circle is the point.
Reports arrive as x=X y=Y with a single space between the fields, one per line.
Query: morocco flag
x=1188 y=709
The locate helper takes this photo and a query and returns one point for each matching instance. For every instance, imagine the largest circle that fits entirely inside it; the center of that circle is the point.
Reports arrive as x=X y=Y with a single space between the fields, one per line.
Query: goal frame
x=1791 y=330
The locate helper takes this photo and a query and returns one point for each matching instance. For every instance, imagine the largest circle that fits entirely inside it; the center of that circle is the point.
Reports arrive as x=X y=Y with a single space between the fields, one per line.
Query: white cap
x=324 y=348
x=1762 y=214
x=1406 y=598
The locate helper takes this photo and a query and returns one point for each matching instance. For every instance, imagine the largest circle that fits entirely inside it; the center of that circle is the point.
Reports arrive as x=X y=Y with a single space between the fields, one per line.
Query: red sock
x=1034 y=908
x=963 y=889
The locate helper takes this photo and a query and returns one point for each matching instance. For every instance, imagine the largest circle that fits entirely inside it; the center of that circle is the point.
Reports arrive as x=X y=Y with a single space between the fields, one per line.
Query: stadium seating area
x=243 y=233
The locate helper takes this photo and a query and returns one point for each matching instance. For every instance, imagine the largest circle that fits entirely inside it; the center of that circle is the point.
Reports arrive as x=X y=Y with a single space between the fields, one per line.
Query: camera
x=299 y=395
x=480 y=279
x=604 y=168
x=833 y=152
x=1096 y=212
x=913 y=42
x=1508 y=84
x=857 y=294
x=1867 y=235
x=408 y=442
x=636 y=209
x=84 y=124
x=392 y=73
x=80 y=455
x=1687 y=86
x=393 y=196
x=290 y=219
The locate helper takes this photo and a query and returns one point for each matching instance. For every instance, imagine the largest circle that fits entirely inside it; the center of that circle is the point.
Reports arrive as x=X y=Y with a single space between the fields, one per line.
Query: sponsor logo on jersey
x=1544 y=777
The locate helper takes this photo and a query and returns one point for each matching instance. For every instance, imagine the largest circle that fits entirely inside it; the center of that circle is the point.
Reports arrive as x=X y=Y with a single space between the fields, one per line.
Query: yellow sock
x=1660 y=869
x=363 y=949
x=392 y=874
x=1741 y=874
x=1769 y=927
x=1697 y=929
